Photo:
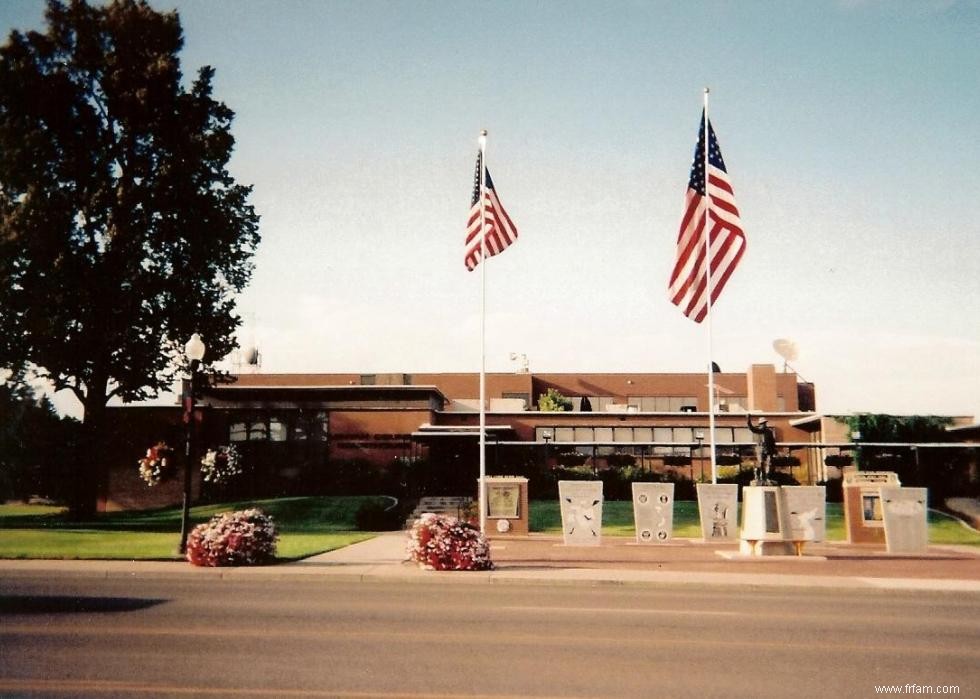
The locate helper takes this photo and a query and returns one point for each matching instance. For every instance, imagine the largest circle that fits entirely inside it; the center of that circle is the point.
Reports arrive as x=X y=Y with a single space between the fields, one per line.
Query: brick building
x=310 y=433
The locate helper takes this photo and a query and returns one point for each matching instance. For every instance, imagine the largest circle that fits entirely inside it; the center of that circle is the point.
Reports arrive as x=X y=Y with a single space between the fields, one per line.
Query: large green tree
x=121 y=230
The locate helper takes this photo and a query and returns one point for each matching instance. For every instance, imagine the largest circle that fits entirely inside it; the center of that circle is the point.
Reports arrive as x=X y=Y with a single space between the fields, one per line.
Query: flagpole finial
x=707 y=89
x=483 y=138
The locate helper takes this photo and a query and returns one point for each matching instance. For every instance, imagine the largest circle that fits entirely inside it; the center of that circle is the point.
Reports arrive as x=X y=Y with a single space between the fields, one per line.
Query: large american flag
x=688 y=288
x=499 y=230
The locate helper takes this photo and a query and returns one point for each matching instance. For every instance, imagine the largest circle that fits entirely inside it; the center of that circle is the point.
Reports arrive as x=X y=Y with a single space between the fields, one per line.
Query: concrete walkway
x=544 y=560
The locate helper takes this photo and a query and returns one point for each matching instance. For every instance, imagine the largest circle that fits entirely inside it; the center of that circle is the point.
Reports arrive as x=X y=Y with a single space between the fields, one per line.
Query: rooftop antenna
x=788 y=350
x=249 y=359
x=524 y=367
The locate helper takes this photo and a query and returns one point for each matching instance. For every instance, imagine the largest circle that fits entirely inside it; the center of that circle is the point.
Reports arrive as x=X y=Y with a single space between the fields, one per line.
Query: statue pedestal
x=765 y=523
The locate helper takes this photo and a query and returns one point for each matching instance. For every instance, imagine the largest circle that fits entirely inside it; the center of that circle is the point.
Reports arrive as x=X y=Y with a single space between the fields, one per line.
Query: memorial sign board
x=718 y=508
x=905 y=514
x=653 y=512
x=507 y=506
x=862 y=505
x=581 y=512
x=807 y=507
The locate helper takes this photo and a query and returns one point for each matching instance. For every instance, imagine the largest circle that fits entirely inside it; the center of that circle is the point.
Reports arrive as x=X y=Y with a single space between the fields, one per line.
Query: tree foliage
x=121 y=230
x=35 y=443
x=898 y=429
x=554 y=402
x=943 y=470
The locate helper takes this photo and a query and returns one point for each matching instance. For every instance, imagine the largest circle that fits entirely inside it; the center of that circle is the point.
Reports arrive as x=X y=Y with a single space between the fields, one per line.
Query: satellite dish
x=786 y=349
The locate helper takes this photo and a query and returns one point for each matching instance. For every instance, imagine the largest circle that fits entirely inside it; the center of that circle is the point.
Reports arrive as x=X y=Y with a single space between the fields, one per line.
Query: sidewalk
x=544 y=560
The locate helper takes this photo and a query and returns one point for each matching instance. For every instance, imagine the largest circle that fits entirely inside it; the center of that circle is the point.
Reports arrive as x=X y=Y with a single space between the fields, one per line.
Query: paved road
x=322 y=637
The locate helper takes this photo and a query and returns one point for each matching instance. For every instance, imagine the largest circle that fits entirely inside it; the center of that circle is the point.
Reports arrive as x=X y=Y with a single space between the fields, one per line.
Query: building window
x=277 y=430
x=661 y=404
x=238 y=432
x=369 y=379
x=296 y=426
x=565 y=434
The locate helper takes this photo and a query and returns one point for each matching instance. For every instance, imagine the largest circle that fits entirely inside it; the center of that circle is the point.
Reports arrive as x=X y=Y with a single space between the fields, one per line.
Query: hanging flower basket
x=221 y=465
x=246 y=537
x=838 y=460
x=158 y=464
x=441 y=542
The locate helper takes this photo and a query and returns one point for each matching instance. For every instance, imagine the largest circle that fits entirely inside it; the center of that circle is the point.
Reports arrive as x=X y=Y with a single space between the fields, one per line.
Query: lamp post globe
x=195 y=348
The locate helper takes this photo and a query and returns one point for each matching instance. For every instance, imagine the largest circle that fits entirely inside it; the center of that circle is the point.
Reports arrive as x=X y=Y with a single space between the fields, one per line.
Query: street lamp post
x=700 y=437
x=856 y=438
x=194 y=351
x=546 y=436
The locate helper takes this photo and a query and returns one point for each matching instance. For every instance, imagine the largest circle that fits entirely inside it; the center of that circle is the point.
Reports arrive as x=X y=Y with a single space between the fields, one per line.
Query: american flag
x=500 y=231
x=688 y=288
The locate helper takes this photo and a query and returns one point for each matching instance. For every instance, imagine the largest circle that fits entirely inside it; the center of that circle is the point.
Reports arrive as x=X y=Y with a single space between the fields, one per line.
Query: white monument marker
x=653 y=512
x=905 y=513
x=581 y=512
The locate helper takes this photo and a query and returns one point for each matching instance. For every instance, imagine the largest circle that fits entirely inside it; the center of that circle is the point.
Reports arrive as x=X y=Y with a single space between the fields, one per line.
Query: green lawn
x=311 y=525
x=307 y=526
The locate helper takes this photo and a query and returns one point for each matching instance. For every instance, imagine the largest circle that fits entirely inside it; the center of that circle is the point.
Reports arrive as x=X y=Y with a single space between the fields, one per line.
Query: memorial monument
x=581 y=512
x=507 y=506
x=718 y=510
x=653 y=512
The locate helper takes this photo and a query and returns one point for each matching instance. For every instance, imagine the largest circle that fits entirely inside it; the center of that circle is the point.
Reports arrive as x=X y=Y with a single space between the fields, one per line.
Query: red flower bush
x=247 y=537
x=441 y=542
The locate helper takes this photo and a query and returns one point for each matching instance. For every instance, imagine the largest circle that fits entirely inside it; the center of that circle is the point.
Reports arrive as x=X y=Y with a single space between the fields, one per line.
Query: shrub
x=838 y=460
x=570 y=459
x=554 y=402
x=246 y=537
x=378 y=516
x=441 y=542
x=782 y=461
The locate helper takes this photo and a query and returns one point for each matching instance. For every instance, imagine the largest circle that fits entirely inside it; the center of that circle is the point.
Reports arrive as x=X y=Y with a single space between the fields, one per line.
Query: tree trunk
x=89 y=472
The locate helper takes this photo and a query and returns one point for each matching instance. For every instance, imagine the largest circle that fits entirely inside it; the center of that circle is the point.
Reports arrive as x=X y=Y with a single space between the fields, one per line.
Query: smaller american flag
x=499 y=230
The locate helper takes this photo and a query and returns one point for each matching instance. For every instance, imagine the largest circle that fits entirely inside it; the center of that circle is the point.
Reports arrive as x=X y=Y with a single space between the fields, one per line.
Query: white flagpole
x=483 y=334
x=707 y=234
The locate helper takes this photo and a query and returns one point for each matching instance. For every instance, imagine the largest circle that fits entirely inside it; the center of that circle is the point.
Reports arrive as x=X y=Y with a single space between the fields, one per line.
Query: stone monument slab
x=765 y=521
x=581 y=512
x=807 y=507
x=718 y=509
x=862 y=505
x=653 y=512
x=905 y=513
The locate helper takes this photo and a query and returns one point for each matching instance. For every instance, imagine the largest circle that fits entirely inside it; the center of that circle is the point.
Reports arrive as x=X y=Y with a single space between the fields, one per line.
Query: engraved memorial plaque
x=718 y=509
x=581 y=512
x=503 y=500
x=905 y=513
x=807 y=505
x=653 y=512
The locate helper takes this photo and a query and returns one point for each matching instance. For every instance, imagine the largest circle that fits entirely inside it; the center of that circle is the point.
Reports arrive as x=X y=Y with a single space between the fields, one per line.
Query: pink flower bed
x=441 y=542
x=243 y=538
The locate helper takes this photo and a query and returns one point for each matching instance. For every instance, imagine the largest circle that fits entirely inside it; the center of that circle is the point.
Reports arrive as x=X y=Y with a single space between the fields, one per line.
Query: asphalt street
x=63 y=635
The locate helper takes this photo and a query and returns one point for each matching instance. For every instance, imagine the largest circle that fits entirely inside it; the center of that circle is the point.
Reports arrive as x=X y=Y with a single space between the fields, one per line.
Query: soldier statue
x=765 y=450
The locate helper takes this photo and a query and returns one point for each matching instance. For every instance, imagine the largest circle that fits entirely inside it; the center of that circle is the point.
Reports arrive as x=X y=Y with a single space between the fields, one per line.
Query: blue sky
x=847 y=128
